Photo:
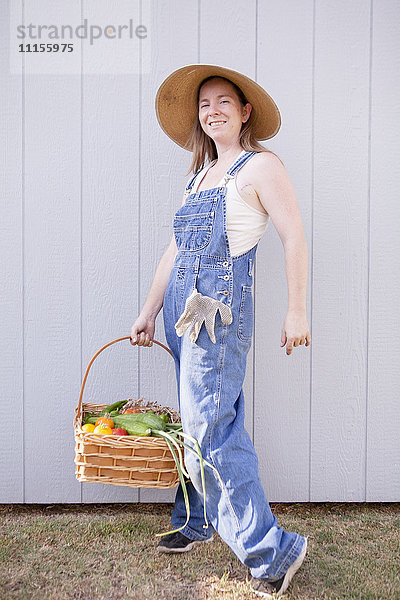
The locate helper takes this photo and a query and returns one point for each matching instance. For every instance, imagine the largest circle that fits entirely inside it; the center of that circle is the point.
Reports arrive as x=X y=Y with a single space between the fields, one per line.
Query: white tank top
x=245 y=224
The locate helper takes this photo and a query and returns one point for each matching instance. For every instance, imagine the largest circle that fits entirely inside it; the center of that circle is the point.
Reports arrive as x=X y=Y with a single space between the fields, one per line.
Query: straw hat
x=177 y=109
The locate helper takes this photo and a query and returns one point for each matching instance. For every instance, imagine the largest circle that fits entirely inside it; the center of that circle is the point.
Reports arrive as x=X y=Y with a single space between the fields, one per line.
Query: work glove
x=199 y=309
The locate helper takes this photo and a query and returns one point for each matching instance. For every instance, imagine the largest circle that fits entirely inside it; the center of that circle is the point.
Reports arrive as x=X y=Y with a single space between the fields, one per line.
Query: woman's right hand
x=143 y=331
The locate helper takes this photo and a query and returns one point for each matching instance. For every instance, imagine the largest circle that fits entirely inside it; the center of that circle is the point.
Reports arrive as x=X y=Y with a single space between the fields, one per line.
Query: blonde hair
x=204 y=147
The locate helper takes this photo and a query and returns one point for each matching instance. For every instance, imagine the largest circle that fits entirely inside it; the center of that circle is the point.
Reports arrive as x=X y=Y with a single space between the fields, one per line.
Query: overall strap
x=191 y=182
x=231 y=172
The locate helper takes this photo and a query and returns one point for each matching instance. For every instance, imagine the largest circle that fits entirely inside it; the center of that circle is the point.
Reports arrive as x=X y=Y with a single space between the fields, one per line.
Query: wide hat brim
x=176 y=102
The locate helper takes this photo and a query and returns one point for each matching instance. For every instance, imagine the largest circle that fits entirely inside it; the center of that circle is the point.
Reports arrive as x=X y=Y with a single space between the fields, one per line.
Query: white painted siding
x=89 y=186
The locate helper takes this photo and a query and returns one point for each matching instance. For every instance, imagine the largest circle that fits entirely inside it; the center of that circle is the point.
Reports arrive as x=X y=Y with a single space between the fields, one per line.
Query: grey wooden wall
x=89 y=186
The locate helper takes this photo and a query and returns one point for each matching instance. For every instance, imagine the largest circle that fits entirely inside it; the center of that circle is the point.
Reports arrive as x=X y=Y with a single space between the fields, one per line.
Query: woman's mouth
x=216 y=123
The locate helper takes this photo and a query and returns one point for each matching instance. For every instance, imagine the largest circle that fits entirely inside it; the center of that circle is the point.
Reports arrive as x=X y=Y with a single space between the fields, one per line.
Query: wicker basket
x=130 y=460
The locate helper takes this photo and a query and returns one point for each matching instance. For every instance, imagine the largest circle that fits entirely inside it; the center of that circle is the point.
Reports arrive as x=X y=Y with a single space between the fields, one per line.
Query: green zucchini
x=138 y=429
x=90 y=418
x=113 y=407
x=150 y=420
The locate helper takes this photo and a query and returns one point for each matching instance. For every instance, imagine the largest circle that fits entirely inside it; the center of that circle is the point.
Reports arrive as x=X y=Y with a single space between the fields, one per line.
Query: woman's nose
x=213 y=109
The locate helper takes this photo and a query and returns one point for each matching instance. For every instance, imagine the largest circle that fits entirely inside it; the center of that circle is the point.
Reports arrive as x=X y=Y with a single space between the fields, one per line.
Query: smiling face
x=221 y=113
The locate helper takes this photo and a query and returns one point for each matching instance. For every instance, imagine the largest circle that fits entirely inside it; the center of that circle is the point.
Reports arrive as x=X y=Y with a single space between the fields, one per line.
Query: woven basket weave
x=129 y=460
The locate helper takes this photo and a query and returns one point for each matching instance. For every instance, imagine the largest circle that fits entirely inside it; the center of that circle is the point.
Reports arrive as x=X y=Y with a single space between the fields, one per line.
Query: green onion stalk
x=172 y=439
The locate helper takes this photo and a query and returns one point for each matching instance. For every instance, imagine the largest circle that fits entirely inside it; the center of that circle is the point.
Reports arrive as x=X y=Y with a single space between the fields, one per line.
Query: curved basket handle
x=128 y=337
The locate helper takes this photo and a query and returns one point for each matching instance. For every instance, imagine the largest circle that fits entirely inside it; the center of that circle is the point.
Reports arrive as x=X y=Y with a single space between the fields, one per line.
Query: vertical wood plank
x=51 y=265
x=11 y=251
x=383 y=422
x=340 y=251
x=282 y=383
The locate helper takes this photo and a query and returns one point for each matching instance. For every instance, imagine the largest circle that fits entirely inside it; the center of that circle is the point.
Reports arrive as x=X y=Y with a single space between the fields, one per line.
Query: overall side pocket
x=246 y=315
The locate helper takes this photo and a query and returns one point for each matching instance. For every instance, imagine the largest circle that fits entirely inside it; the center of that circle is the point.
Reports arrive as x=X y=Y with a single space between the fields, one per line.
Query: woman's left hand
x=295 y=330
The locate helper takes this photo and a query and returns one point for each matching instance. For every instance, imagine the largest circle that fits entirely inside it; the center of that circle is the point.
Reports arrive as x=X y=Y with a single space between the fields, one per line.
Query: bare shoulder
x=276 y=193
x=268 y=171
x=266 y=163
x=261 y=171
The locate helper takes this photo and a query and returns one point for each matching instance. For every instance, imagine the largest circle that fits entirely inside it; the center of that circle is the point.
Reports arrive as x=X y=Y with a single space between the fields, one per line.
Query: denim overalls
x=210 y=395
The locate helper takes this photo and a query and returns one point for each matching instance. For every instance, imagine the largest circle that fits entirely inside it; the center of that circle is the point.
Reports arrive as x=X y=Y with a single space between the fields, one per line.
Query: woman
x=205 y=277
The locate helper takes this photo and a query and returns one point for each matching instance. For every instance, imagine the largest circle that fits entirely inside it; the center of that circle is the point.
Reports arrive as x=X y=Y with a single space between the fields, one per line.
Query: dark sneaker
x=273 y=589
x=177 y=542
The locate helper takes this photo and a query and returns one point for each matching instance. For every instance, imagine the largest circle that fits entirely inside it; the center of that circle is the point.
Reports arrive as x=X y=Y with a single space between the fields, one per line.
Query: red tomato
x=119 y=431
x=131 y=410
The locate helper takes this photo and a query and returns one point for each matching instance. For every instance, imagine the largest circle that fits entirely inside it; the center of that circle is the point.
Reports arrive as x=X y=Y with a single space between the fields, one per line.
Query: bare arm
x=277 y=195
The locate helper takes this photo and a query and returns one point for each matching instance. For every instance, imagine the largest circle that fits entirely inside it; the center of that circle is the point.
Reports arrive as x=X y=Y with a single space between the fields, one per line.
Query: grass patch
x=108 y=552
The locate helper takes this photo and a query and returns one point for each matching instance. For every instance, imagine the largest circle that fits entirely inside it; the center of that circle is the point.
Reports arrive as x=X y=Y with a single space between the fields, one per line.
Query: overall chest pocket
x=193 y=224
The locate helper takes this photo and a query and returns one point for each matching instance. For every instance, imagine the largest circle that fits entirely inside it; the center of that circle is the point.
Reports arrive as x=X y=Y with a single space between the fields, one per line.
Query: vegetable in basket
x=90 y=418
x=105 y=421
x=113 y=407
x=103 y=429
x=88 y=427
x=131 y=420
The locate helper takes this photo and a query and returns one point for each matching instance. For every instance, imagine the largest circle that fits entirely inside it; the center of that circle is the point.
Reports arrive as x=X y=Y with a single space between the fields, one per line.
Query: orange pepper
x=106 y=421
